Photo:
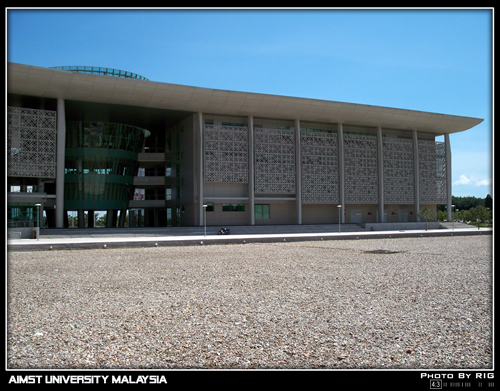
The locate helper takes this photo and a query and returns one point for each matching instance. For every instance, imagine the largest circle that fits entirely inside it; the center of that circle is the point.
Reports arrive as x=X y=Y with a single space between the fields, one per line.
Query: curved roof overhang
x=51 y=83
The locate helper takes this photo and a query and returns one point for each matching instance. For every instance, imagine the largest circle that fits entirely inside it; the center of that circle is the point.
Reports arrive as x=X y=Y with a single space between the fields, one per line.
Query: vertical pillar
x=81 y=218
x=340 y=133
x=416 y=176
x=40 y=214
x=251 y=171
x=41 y=189
x=109 y=218
x=447 y=145
x=380 y=162
x=298 y=173
x=200 y=168
x=60 y=156
x=123 y=214
x=132 y=222
x=90 y=218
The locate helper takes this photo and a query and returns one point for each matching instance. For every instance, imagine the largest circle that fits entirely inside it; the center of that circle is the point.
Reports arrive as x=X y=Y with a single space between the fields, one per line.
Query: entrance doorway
x=356 y=216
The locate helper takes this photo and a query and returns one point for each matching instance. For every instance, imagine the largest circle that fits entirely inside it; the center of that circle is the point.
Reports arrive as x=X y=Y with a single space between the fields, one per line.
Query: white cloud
x=472 y=180
x=463 y=181
x=484 y=182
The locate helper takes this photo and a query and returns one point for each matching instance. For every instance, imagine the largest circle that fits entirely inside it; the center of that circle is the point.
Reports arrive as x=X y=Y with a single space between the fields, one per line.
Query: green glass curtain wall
x=100 y=164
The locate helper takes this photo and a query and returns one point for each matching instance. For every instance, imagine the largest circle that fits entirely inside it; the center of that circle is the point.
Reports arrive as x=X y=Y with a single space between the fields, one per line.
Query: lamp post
x=340 y=210
x=453 y=217
x=205 y=218
x=38 y=220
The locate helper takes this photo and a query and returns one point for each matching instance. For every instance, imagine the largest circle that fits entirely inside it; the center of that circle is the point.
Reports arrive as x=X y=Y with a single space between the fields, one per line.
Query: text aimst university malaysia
x=85 y=139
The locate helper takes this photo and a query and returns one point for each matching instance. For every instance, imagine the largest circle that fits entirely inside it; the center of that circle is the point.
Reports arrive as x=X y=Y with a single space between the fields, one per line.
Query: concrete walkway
x=57 y=239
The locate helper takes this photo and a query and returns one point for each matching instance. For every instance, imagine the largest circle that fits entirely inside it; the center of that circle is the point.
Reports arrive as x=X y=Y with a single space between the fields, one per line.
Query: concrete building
x=87 y=139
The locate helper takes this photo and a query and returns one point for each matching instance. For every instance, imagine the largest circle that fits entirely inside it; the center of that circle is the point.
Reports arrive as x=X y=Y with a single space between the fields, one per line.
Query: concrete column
x=380 y=162
x=109 y=218
x=416 y=176
x=132 y=221
x=90 y=218
x=123 y=214
x=41 y=189
x=200 y=168
x=40 y=214
x=340 y=133
x=156 y=217
x=60 y=157
x=81 y=218
x=115 y=217
x=298 y=173
x=251 y=171
x=449 y=215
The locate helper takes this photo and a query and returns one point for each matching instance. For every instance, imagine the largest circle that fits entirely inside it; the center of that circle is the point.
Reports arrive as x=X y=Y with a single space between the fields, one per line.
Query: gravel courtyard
x=426 y=303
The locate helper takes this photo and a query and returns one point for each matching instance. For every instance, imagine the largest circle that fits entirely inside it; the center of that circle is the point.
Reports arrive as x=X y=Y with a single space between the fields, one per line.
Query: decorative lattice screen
x=432 y=172
x=398 y=171
x=226 y=160
x=31 y=142
x=360 y=165
x=226 y=153
x=320 y=177
x=274 y=161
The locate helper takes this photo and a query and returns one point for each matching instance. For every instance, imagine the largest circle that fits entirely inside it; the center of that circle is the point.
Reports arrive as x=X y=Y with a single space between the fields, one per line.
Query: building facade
x=88 y=141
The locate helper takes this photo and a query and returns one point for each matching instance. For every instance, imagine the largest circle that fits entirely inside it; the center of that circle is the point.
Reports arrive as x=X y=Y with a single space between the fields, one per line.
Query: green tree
x=100 y=220
x=488 y=202
x=441 y=215
x=464 y=203
x=479 y=214
x=425 y=214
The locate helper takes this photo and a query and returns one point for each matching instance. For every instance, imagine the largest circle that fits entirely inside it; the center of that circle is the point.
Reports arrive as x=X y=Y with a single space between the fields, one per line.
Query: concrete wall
x=320 y=214
x=218 y=217
x=22 y=233
x=280 y=213
x=401 y=226
x=213 y=189
x=357 y=213
x=188 y=161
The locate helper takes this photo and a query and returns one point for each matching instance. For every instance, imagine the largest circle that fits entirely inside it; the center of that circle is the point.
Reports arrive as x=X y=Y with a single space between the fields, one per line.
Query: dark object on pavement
x=224 y=231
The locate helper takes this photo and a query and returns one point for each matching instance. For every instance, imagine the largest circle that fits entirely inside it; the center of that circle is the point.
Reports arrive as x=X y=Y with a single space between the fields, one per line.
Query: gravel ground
x=318 y=304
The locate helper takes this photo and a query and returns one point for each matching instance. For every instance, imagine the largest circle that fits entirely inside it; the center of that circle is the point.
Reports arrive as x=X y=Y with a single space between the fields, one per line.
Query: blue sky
x=431 y=60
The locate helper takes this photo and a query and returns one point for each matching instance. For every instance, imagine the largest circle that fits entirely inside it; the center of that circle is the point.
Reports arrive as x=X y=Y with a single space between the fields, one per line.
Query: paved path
x=53 y=239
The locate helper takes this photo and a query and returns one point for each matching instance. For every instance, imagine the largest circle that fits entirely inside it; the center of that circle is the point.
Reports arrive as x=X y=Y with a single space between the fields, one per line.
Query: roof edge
x=53 y=83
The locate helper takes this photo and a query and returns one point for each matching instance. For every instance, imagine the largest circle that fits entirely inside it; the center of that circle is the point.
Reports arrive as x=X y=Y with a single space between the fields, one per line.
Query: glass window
x=168 y=143
x=233 y=207
x=262 y=211
x=233 y=124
